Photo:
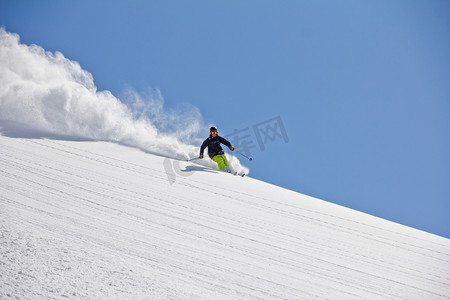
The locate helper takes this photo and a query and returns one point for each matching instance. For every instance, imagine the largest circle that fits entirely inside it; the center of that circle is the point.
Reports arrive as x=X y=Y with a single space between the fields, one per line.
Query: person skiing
x=215 y=151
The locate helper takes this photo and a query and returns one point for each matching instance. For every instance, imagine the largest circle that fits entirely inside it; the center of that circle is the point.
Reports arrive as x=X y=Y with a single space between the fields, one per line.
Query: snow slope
x=98 y=220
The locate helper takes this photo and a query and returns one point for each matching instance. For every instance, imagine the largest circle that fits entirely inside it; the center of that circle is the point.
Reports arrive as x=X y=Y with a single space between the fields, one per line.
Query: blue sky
x=362 y=87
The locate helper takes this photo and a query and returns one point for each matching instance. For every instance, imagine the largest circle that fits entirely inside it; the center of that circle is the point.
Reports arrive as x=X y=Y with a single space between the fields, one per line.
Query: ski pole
x=193 y=159
x=249 y=158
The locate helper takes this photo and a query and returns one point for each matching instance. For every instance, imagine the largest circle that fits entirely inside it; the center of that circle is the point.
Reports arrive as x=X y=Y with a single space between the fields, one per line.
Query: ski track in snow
x=100 y=220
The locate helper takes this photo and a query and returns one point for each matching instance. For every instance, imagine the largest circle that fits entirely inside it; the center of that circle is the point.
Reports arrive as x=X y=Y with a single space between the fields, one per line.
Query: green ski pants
x=221 y=161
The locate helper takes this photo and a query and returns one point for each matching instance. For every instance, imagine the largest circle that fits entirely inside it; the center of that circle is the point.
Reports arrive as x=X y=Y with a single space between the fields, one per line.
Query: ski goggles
x=213 y=132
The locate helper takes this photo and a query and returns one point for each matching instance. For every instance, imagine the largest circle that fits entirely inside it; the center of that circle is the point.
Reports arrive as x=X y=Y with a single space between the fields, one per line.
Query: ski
x=235 y=173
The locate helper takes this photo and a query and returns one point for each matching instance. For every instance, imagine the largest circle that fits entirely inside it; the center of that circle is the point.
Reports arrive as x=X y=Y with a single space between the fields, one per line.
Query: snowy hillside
x=97 y=220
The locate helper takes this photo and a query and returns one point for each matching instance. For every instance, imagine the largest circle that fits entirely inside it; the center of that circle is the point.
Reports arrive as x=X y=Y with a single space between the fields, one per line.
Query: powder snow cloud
x=49 y=92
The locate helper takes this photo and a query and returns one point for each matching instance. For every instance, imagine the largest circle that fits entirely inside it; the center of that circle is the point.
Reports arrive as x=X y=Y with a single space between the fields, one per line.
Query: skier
x=215 y=151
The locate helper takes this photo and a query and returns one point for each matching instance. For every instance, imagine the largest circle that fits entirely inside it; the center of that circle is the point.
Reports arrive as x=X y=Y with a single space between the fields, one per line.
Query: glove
x=201 y=156
x=231 y=148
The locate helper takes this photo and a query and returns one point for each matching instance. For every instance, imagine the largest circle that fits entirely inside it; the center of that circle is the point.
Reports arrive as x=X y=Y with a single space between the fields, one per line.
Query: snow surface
x=99 y=220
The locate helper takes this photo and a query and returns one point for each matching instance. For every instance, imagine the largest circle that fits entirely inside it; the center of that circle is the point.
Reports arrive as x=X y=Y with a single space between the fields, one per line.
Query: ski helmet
x=213 y=129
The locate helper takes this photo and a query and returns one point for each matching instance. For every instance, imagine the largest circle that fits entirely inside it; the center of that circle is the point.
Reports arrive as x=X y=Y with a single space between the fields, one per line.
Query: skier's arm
x=203 y=147
x=226 y=143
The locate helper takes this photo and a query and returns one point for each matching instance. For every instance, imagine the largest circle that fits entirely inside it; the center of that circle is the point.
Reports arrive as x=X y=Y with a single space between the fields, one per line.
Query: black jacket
x=213 y=144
